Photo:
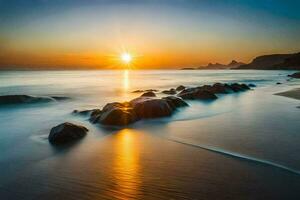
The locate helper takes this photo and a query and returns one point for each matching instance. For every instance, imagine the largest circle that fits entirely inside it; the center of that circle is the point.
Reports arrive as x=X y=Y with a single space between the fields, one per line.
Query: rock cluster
x=208 y=92
x=147 y=106
x=121 y=114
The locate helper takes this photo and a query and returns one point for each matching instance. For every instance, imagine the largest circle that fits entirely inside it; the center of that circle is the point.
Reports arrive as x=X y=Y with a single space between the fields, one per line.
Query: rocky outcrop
x=274 y=62
x=66 y=132
x=295 y=75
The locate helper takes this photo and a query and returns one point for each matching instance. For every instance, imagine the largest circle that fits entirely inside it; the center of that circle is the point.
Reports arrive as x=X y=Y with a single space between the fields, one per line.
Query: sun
x=126 y=58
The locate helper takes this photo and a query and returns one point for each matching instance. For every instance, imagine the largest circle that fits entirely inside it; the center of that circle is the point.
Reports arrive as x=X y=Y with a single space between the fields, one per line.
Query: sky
x=160 y=34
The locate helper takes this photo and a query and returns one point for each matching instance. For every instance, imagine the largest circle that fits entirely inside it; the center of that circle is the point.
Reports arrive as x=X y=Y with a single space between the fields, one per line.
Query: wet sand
x=295 y=94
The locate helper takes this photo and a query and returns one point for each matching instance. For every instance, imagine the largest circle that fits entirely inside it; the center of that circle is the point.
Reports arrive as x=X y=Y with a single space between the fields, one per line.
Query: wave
x=238 y=156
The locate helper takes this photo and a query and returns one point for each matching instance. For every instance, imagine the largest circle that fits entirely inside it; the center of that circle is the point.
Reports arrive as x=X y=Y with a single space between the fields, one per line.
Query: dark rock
x=66 y=132
x=200 y=94
x=175 y=102
x=170 y=92
x=148 y=94
x=146 y=107
x=238 y=87
x=251 y=85
x=217 y=88
x=295 y=75
x=19 y=99
x=187 y=90
x=118 y=116
x=278 y=83
x=95 y=115
x=180 y=87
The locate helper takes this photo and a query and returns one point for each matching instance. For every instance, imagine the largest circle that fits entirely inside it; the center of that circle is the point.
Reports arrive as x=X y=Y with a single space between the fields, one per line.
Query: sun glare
x=126 y=58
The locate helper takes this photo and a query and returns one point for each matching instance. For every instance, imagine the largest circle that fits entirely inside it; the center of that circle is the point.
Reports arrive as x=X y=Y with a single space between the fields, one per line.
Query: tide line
x=238 y=156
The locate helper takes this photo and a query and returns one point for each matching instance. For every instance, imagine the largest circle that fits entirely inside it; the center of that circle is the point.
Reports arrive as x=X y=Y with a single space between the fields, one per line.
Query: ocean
x=241 y=146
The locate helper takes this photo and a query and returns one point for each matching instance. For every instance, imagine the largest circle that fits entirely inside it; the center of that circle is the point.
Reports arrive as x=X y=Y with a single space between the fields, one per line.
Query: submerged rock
x=83 y=112
x=66 y=132
x=18 y=99
x=22 y=99
x=59 y=98
x=148 y=94
x=295 y=75
x=251 y=85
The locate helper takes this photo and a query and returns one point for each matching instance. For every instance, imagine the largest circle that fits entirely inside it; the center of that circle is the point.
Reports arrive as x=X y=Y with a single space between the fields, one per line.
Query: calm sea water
x=241 y=146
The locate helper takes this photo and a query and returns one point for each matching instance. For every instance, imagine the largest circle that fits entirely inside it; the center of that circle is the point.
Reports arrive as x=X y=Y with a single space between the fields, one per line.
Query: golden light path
x=126 y=164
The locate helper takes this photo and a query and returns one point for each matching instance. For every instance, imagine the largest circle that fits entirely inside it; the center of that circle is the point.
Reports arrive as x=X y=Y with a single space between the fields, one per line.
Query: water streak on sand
x=238 y=156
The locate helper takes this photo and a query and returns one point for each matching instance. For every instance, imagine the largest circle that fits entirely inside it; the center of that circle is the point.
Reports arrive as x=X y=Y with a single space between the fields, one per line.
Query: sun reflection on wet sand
x=126 y=164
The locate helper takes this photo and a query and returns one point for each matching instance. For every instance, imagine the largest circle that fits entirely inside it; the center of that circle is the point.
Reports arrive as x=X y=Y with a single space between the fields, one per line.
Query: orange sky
x=170 y=35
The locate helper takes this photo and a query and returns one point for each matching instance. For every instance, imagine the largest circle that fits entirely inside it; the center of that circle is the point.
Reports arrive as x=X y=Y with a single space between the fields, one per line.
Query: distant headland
x=264 y=62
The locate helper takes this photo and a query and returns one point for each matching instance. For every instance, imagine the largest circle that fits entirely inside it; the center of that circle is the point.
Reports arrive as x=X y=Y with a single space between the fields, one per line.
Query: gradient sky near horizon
x=160 y=33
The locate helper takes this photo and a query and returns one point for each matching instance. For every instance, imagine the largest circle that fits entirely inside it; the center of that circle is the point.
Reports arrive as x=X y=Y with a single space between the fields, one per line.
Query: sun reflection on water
x=126 y=164
x=126 y=83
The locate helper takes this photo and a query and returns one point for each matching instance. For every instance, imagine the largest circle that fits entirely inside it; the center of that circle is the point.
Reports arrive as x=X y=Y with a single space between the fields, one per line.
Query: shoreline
x=294 y=94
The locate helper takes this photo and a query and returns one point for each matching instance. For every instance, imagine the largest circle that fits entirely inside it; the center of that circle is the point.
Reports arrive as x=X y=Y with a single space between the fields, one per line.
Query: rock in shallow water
x=121 y=114
x=22 y=99
x=145 y=107
x=66 y=132
x=200 y=94
x=150 y=107
x=17 y=99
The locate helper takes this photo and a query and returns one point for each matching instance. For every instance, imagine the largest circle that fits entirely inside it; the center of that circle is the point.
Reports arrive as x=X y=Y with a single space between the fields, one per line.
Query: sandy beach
x=294 y=93
x=235 y=147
